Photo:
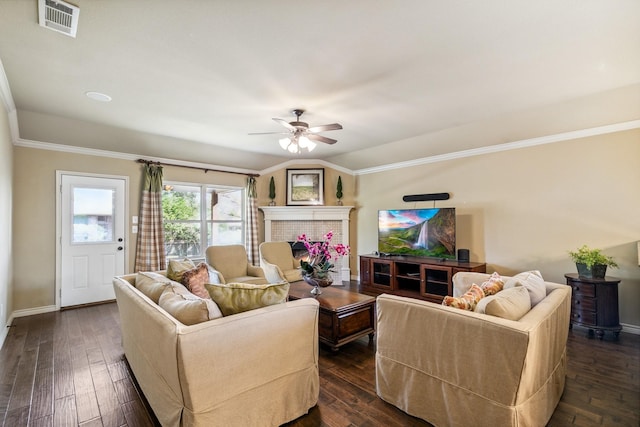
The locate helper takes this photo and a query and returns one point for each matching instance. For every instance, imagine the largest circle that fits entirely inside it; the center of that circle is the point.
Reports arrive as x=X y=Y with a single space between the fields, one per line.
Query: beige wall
x=35 y=212
x=6 y=191
x=524 y=209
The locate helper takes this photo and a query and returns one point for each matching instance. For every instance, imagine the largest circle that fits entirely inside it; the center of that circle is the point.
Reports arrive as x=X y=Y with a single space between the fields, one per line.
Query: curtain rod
x=151 y=162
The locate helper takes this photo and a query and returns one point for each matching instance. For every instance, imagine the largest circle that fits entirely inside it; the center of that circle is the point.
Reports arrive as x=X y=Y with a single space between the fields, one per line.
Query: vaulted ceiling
x=189 y=80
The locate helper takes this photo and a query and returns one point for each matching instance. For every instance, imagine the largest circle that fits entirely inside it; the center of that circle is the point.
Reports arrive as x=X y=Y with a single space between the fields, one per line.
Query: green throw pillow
x=235 y=298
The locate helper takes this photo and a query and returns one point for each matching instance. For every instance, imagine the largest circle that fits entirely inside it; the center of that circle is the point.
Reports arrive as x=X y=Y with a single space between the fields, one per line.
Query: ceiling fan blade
x=322 y=128
x=285 y=124
x=321 y=138
x=270 y=133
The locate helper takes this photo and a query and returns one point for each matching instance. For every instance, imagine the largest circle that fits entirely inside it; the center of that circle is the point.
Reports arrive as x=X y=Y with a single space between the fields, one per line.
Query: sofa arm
x=419 y=340
x=463 y=280
x=246 y=351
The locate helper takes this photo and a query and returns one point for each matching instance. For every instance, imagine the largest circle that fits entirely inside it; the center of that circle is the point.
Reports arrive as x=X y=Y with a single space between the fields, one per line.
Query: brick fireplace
x=286 y=223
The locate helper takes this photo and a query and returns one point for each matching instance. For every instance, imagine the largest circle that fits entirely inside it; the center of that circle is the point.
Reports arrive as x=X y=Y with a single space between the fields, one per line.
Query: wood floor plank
x=90 y=383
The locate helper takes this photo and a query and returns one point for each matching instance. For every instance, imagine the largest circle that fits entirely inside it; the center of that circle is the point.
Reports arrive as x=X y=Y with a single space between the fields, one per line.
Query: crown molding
x=515 y=145
x=123 y=156
x=299 y=162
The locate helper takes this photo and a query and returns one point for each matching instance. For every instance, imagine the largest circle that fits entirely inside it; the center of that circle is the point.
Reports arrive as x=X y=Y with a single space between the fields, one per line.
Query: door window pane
x=93 y=215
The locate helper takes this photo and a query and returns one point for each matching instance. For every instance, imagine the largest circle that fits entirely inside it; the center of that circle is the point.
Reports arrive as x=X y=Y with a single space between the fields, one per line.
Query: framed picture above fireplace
x=305 y=187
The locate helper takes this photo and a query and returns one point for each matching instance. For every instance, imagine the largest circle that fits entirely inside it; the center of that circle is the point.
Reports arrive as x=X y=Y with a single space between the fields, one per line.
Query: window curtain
x=251 y=243
x=150 y=251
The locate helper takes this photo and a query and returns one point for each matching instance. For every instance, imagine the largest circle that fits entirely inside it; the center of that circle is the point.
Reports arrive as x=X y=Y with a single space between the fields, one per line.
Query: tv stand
x=424 y=278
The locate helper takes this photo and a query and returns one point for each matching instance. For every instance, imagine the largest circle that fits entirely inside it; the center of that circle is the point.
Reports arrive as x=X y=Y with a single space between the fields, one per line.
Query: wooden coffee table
x=344 y=315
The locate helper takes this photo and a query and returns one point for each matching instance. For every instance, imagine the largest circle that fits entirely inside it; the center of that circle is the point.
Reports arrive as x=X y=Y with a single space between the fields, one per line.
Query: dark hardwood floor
x=67 y=369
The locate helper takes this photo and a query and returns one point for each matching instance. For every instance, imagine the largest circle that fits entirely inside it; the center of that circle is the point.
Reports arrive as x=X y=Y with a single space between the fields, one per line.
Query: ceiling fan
x=300 y=134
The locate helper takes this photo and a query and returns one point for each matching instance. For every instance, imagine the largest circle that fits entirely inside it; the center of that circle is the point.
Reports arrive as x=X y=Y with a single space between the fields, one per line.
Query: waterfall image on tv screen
x=418 y=232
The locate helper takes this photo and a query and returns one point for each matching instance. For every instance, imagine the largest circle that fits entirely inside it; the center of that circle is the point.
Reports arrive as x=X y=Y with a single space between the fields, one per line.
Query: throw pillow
x=235 y=298
x=152 y=284
x=493 y=285
x=195 y=279
x=533 y=282
x=177 y=268
x=512 y=303
x=188 y=308
x=467 y=301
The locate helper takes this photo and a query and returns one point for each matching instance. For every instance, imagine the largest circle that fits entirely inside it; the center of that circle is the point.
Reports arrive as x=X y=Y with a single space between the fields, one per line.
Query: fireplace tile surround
x=286 y=223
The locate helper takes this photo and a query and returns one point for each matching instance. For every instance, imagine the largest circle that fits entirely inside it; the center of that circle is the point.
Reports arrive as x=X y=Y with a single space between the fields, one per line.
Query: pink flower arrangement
x=319 y=264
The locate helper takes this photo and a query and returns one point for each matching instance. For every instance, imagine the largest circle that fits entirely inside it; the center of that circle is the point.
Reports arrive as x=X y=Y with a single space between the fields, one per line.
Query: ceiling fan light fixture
x=293 y=148
x=284 y=143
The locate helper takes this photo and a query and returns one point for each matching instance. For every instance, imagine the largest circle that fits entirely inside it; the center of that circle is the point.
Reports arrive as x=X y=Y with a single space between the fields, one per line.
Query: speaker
x=425 y=197
x=463 y=255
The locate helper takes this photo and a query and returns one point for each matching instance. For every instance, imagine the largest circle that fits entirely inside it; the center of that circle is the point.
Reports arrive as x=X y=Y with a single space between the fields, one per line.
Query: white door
x=92 y=246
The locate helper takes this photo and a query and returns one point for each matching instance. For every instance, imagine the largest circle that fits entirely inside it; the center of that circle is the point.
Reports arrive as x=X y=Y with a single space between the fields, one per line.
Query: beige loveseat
x=453 y=367
x=256 y=368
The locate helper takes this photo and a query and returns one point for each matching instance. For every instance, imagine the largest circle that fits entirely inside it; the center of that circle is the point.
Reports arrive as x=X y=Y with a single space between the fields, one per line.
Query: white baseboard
x=32 y=311
x=5 y=331
x=632 y=329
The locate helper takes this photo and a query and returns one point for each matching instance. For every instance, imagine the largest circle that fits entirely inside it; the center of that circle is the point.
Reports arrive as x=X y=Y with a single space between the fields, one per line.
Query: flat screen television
x=418 y=232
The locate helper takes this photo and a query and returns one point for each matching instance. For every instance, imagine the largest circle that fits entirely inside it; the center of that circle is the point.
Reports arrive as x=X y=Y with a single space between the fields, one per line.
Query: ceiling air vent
x=59 y=16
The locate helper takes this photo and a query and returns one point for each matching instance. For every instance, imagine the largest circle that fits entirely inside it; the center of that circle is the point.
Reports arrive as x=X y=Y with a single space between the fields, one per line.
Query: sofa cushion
x=152 y=284
x=235 y=298
x=188 y=308
x=467 y=301
x=512 y=303
x=177 y=268
x=533 y=282
x=195 y=279
x=493 y=285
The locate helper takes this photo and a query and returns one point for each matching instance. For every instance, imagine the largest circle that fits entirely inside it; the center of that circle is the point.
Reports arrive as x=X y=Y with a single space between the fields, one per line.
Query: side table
x=594 y=304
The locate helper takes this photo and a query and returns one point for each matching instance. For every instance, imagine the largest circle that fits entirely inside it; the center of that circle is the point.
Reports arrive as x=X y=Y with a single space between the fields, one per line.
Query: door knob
x=120 y=248
x=120 y=239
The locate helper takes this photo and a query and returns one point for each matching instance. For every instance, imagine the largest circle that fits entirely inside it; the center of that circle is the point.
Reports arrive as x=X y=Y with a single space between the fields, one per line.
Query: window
x=197 y=216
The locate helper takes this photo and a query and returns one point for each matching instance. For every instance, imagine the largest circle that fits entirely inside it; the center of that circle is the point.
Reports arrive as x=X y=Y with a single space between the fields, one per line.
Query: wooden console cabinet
x=423 y=278
x=594 y=304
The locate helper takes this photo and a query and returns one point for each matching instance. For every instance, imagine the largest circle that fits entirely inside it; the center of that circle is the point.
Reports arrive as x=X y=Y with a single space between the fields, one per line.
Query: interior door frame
x=59 y=174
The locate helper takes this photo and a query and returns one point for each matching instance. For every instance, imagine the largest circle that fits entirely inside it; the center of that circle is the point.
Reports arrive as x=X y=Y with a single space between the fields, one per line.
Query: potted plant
x=339 y=191
x=272 y=192
x=591 y=263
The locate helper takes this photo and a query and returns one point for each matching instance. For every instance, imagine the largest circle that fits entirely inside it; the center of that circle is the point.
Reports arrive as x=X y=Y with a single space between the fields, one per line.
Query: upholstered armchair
x=278 y=263
x=231 y=264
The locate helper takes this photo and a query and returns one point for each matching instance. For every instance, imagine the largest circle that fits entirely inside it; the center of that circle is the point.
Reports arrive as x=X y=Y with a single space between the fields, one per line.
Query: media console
x=424 y=278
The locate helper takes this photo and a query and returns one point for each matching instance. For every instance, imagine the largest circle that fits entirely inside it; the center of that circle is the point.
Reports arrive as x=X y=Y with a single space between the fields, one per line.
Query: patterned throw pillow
x=235 y=298
x=467 y=301
x=493 y=285
x=195 y=279
x=177 y=268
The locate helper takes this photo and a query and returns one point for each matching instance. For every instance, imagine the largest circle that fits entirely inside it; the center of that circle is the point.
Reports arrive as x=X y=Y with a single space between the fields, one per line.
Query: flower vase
x=317 y=283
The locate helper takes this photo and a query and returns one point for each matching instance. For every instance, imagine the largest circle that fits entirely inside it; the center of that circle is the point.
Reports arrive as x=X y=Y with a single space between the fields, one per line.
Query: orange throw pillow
x=467 y=301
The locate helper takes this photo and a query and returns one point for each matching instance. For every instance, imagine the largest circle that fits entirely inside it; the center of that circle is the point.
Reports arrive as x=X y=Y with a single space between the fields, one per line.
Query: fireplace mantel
x=297 y=219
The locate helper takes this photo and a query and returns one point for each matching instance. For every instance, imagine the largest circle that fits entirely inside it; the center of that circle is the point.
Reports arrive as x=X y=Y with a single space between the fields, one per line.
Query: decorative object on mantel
x=272 y=192
x=339 y=191
x=316 y=270
x=305 y=187
x=591 y=263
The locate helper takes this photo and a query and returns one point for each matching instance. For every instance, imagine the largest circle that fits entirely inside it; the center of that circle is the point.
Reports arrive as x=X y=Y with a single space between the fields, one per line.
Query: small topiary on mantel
x=272 y=192
x=339 y=190
x=591 y=263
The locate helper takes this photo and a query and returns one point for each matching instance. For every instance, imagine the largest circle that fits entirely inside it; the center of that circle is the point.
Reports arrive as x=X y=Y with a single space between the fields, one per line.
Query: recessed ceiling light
x=97 y=96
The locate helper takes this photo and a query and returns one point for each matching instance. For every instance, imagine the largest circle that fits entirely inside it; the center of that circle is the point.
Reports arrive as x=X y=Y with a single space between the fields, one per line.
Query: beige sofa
x=453 y=367
x=257 y=368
